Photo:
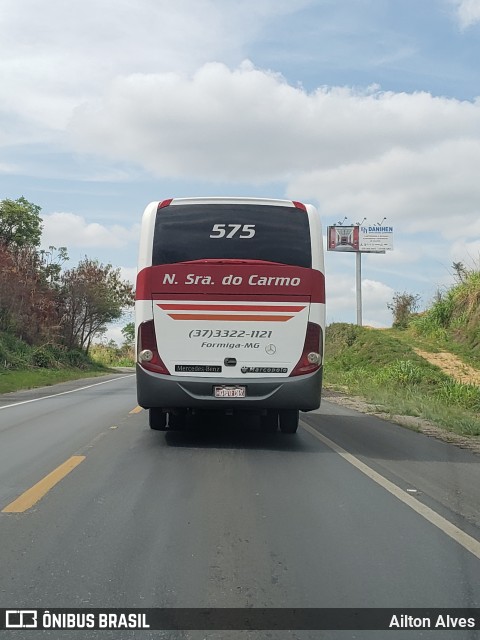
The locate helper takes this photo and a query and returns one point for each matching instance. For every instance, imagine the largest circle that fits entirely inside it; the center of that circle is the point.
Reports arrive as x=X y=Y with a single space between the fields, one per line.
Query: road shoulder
x=411 y=422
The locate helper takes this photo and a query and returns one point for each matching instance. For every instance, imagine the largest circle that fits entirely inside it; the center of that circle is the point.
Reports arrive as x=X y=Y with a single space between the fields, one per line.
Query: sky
x=368 y=109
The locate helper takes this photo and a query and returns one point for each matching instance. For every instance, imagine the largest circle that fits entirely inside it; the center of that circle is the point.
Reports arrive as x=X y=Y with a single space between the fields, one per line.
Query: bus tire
x=289 y=420
x=157 y=419
x=269 y=421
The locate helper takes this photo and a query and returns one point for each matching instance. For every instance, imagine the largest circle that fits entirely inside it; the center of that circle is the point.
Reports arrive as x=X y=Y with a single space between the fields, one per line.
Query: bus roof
x=232 y=200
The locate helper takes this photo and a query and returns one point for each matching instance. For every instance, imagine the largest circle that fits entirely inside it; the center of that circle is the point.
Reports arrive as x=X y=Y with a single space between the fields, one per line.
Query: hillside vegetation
x=453 y=320
x=24 y=366
x=383 y=366
x=49 y=315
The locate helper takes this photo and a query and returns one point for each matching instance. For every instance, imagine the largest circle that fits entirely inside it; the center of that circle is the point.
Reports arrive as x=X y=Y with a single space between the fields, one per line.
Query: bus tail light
x=299 y=205
x=164 y=203
x=147 y=354
x=311 y=358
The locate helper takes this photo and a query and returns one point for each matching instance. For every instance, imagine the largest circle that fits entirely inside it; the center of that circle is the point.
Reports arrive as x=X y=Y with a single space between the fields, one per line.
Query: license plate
x=230 y=392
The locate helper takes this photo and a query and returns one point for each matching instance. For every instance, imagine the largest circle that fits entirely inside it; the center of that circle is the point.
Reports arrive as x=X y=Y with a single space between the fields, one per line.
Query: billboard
x=376 y=239
x=367 y=239
x=343 y=238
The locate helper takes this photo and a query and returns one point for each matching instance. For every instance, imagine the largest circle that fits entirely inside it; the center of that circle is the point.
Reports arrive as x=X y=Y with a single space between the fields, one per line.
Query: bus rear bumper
x=176 y=392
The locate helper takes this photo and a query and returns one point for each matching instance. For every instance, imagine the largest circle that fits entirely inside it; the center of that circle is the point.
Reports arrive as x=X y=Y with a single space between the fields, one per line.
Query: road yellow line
x=136 y=410
x=451 y=530
x=39 y=490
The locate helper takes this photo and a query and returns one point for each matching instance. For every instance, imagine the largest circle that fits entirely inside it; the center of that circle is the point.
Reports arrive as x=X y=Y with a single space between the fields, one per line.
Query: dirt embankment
x=452 y=366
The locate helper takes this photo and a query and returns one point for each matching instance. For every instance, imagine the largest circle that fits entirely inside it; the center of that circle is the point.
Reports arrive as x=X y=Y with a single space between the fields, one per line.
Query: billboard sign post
x=360 y=239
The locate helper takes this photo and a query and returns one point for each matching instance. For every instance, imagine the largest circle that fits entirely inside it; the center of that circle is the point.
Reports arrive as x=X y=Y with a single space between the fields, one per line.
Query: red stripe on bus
x=152 y=281
x=228 y=307
x=229 y=318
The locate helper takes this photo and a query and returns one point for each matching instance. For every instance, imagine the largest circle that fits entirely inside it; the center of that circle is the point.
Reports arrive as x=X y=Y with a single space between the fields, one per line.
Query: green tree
x=20 y=223
x=52 y=262
x=28 y=304
x=93 y=295
x=402 y=307
x=128 y=333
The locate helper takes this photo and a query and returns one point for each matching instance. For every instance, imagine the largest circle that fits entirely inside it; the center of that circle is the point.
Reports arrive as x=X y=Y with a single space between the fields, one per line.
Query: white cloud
x=54 y=55
x=341 y=299
x=71 y=230
x=340 y=295
x=468 y=12
x=424 y=188
x=375 y=296
x=250 y=124
x=411 y=157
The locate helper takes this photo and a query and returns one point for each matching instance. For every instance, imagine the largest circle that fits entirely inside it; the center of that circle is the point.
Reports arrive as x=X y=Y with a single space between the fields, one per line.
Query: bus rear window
x=232 y=231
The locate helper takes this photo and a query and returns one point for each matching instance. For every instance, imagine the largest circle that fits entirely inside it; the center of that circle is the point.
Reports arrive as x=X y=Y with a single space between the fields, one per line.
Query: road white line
x=451 y=530
x=64 y=393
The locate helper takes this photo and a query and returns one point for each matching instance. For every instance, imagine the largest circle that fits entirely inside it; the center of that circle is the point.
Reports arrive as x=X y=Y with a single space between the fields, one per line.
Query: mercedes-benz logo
x=270 y=349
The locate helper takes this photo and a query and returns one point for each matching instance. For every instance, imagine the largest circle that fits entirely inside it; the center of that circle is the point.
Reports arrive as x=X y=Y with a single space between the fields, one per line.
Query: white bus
x=230 y=310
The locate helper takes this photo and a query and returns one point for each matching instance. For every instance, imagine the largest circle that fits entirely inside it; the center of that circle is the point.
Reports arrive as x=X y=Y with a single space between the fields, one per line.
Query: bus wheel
x=269 y=421
x=289 y=420
x=157 y=419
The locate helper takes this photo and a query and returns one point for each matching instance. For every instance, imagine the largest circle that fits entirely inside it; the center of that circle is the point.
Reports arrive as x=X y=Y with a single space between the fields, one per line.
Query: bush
x=77 y=358
x=14 y=353
x=402 y=307
x=42 y=357
x=458 y=394
x=455 y=314
x=427 y=326
x=401 y=372
x=340 y=335
x=110 y=355
x=354 y=377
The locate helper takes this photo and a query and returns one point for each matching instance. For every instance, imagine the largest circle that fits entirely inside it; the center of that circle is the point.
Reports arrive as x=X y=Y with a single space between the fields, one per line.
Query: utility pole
x=358 y=262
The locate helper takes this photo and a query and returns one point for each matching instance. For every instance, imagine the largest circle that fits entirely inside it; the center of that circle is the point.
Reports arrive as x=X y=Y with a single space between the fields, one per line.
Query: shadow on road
x=368 y=437
x=238 y=432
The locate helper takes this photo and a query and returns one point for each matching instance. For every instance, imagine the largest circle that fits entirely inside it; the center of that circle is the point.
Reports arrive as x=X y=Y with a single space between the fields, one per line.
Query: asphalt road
x=352 y=511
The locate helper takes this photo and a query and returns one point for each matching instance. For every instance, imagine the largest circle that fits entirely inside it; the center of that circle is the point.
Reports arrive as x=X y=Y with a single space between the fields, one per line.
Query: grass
x=436 y=340
x=382 y=367
x=23 y=366
x=33 y=378
x=453 y=319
